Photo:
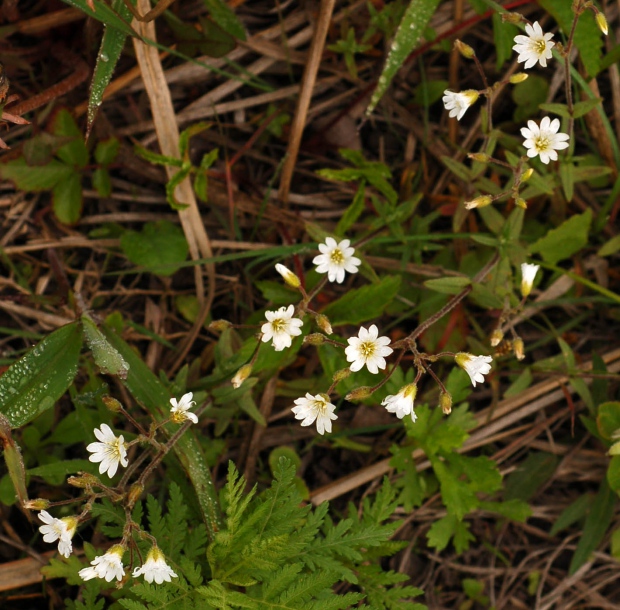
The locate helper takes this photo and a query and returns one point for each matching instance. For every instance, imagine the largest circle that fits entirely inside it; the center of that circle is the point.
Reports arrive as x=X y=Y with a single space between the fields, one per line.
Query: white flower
x=528 y=273
x=106 y=566
x=475 y=366
x=535 y=47
x=317 y=408
x=402 y=403
x=335 y=259
x=288 y=276
x=281 y=327
x=458 y=103
x=478 y=202
x=368 y=349
x=155 y=568
x=110 y=451
x=180 y=410
x=544 y=140
x=58 y=529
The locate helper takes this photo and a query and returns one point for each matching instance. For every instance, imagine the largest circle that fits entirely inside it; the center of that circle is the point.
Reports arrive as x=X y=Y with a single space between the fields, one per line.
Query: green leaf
x=353 y=212
x=160 y=247
x=110 y=49
x=104 y=13
x=559 y=109
x=532 y=473
x=13 y=460
x=105 y=356
x=517 y=510
x=63 y=468
x=582 y=108
x=362 y=304
x=572 y=513
x=608 y=419
x=448 y=285
x=34 y=179
x=225 y=17
x=106 y=151
x=37 y=380
x=613 y=473
x=67 y=199
x=75 y=152
x=610 y=247
x=596 y=525
x=567 y=178
x=566 y=240
x=457 y=495
x=101 y=182
x=458 y=169
x=412 y=26
x=503 y=37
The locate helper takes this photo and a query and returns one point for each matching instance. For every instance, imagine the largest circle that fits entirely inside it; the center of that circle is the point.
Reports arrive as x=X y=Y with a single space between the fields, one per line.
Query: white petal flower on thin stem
x=281 y=327
x=155 y=568
x=315 y=408
x=111 y=451
x=180 y=410
x=106 y=566
x=336 y=259
x=288 y=276
x=535 y=47
x=528 y=273
x=368 y=349
x=58 y=529
x=475 y=366
x=402 y=403
x=458 y=102
x=544 y=140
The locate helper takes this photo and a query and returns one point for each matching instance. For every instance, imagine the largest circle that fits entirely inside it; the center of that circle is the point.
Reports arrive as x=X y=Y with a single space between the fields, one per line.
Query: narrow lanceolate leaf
x=13 y=459
x=112 y=44
x=37 y=380
x=103 y=13
x=150 y=392
x=414 y=21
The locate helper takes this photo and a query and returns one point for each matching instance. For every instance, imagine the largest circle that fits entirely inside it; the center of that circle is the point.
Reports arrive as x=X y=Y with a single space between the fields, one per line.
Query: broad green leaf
x=110 y=49
x=582 y=108
x=481 y=471
x=106 y=151
x=74 y=152
x=492 y=218
x=104 y=13
x=37 y=380
x=150 y=392
x=67 y=198
x=532 y=473
x=101 y=181
x=363 y=304
x=517 y=510
x=610 y=247
x=448 y=285
x=608 y=419
x=559 y=109
x=225 y=17
x=458 y=169
x=414 y=22
x=503 y=37
x=457 y=495
x=564 y=241
x=62 y=468
x=160 y=247
x=596 y=525
x=105 y=356
x=34 y=179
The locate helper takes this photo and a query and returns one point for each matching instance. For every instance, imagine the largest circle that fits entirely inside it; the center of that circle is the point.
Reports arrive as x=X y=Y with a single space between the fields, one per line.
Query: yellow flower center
x=542 y=143
x=336 y=256
x=367 y=348
x=320 y=405
x=540 y=46
x=278 y=325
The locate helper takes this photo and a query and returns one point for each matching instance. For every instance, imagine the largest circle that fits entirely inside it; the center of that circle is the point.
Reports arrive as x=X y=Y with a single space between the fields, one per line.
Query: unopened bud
x=521 y=203
x=37 y=504
x=602 y=23
x=112 y=404
x=241 y=375
x=519 y=77
x=527 y=174
x=340 y=375
x=496 y=337
x=324 y=324
x=219 y=325
x=518 y=348
x=478 y=202
x=359 y=393
x=482 y=157
x=84 y=481
x=314 y=339
x=512 y=18
x=288 y=276
x=135 y=491
x=464 y=49
x=445 y=402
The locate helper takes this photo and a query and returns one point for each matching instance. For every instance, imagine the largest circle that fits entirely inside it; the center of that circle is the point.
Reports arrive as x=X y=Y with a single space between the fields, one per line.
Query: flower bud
x=135 y=491
x=602 y=23
x=324 y=324
x=478 y=202
x=359 y=393
x=521 y=203
x=527 y=174
x=289 y=277
x=340 y=375
x=241 y=375
x=314 y=339
x=445 y=402
x=528 y=274
x=496 y=337
x=519 y=77
x=482 y=157
x=518 y=348
x=512 y=18
x=112 y=404
x=84 y=481
x=464 y=49
x=37 y=504
x=219 y=325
